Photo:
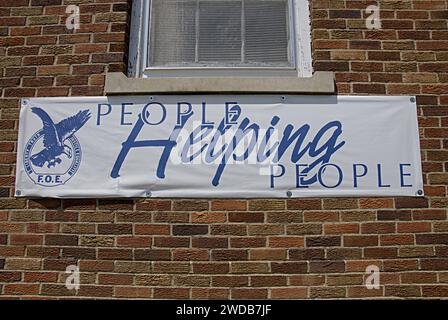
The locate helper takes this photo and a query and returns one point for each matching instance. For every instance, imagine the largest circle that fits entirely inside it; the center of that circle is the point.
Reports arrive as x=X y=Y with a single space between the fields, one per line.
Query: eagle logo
x=55 y=136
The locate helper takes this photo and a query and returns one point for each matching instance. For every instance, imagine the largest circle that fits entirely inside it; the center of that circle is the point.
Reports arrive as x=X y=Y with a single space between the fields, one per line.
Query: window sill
x=320 y=83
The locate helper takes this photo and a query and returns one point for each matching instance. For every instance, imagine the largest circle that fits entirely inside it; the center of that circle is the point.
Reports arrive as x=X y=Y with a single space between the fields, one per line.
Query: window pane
x=266 y=31
x=220 y=31
x=173 y=35
x=215 y=33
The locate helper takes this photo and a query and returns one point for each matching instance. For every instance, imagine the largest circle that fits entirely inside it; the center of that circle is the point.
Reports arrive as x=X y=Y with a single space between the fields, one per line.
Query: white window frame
x=301 y=49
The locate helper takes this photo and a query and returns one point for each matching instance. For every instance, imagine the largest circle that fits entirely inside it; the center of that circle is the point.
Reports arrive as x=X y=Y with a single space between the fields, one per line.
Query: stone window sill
x=321 y=82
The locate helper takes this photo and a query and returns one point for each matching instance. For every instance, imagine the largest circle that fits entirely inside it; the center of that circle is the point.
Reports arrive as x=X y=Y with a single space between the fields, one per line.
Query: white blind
x=219 y=33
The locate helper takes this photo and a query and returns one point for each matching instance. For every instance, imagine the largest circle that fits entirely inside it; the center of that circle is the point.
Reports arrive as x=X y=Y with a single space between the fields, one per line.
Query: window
x=220 y=38
x=221 y=33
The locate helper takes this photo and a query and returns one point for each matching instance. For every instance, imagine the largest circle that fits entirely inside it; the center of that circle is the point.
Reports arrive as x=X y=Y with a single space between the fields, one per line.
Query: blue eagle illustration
x=55 y=136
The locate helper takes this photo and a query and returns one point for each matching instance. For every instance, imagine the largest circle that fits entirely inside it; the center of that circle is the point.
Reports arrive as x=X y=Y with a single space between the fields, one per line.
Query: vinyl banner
x=218 y=146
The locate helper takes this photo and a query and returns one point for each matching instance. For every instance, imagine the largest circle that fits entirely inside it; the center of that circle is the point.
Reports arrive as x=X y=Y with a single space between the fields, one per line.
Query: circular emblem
x=51 y=166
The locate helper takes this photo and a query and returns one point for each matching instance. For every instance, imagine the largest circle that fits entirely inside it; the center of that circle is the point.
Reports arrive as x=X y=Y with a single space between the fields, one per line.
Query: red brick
x=402 y=291
x=327 y=266
x=61 y=240
x=433 y=214
x=369 y=88
x=286 y=242
x=360 y=241
x=230 y=281
x=174 y=242
x=246 y=217
x=377 y=227
x=209 y=217
x=247 y=242
x=306 y=254
x=189 y=230
x=304 y=204
x=438 y=238
x=327 y=292
x=376 y=203
x=228 y=205
x=321 y=216
x=380 y=253
x=435 y=291
x=229 y=255
x=211 y=268
x=268 y=254
x=396 y=239
x=363 y=292
x=289 y=267
x=115 y=205
x=341 y=228
x=40 y=276
x=190 y=205
x=327 y=241
x=229 y=229
x=115 y=279
x=26 y=239
x=289 y=293
x=171 y=293
x=413 y=227
x=21 y=289
x=118 y=229
x=210 y=242
x=134 y=242
x=132 y=292
x=152 y=229
x=152 y=205
x=190 y=255
x=152 y=254
x=393 y=215
x=249 y=293
x=115 y=254
x=266 y=205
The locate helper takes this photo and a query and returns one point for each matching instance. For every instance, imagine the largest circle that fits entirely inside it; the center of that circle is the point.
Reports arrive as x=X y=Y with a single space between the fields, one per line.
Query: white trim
x=303 y=44
x=300 y=35
x=145 y=32
x=134 y=64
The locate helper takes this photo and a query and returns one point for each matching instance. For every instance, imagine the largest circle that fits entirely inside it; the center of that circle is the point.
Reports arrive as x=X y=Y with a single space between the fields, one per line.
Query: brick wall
x=308 y=248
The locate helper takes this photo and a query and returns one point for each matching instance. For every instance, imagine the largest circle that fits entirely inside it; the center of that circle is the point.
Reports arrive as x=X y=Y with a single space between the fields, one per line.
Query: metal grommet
x=412 y=99
x=289 y=194
x=18 y=192
x=420 y=192
x=148 y=194
x=151 y=98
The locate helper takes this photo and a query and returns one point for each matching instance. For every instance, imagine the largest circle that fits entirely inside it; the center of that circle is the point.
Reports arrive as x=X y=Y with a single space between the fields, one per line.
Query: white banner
x=219 y=146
